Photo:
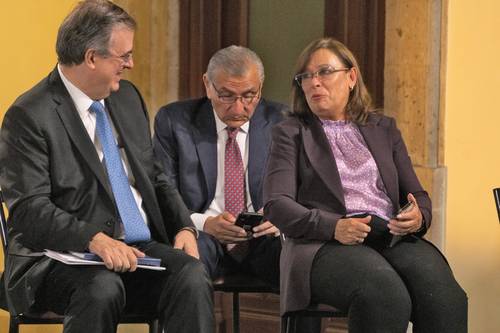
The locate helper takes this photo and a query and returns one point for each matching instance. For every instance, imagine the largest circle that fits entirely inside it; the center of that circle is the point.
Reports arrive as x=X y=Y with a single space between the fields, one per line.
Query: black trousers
x=262 y=260
x=93 y=297
x=382 y=290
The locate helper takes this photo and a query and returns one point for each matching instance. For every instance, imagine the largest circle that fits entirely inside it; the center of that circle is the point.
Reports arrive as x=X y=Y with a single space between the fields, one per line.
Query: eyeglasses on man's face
x=322 y=74
x=124 y=58
x=246 y=99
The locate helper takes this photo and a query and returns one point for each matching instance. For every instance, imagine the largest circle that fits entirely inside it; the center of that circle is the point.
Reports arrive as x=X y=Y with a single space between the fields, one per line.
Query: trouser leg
x=439 y=303
x=358 y=280
x=182 y=294
x=91 y=297
x=263 y=259
x=211 y=254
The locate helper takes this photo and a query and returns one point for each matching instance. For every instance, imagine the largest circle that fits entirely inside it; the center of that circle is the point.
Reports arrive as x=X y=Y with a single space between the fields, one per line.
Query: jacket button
x=109 y=223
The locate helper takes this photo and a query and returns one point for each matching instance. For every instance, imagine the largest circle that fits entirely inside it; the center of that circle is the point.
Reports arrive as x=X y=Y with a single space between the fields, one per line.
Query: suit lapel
x=379 y=146
x=205 y=140
x=258 y=146
x=76 y=131
x=320 y=155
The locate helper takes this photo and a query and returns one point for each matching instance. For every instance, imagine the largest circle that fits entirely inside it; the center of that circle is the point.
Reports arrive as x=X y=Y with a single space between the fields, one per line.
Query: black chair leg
x=292 y=324
x=154 y=327
x=284 y=324
x=13 y=326
x=236 y=312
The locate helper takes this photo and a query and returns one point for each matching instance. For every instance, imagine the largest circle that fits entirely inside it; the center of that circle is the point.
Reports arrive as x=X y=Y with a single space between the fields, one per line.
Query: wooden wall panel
x=206 y=26
x=360 y=25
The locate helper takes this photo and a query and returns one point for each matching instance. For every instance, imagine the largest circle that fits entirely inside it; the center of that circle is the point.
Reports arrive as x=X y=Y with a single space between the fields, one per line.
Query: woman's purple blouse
x=364 y=191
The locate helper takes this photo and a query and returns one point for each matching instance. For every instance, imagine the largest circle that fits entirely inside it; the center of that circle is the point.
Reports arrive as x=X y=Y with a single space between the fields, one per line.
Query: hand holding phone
x=248 y=220
x=406 y=208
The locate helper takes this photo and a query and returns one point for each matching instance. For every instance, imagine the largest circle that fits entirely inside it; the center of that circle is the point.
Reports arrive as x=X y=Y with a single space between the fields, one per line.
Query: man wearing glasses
x=215 y=150
x=78 y=174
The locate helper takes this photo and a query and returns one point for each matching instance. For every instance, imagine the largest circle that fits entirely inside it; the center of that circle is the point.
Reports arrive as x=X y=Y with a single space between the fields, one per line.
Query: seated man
x=215 y=149
x=78 y=174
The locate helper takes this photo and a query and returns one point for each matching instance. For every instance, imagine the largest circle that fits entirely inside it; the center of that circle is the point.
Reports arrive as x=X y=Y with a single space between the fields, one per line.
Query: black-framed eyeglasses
x=322 y=74
x=246 y=99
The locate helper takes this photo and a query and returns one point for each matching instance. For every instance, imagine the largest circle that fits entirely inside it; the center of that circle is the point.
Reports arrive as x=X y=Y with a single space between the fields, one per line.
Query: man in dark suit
x=78 y=174
x=192 y=138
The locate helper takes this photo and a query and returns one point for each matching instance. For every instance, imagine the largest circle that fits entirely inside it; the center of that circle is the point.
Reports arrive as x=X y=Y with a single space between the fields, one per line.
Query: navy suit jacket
x=185 y=140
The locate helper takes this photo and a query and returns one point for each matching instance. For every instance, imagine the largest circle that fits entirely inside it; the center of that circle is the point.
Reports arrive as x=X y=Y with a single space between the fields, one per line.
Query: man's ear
x=89 y=58
x=207 y=83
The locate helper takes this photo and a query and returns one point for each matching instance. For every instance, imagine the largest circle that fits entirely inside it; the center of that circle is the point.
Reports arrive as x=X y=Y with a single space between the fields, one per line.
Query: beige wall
x=472 y=156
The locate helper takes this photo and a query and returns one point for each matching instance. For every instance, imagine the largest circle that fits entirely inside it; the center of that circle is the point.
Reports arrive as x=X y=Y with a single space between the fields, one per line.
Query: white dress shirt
x=217 y=205
x=82 y=103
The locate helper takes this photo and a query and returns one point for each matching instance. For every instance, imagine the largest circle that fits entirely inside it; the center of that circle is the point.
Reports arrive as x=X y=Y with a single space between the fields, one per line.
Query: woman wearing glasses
x=337 y=175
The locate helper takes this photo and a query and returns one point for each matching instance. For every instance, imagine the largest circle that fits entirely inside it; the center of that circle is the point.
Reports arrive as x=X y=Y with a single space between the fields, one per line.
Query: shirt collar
x=221 y=126
x=81 y=100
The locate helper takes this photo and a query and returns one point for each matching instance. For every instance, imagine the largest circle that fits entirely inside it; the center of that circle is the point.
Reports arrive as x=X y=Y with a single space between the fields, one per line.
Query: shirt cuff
x=199 y=220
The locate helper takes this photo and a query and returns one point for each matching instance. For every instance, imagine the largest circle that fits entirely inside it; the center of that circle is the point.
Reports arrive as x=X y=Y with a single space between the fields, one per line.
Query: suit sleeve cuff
x=193 y=230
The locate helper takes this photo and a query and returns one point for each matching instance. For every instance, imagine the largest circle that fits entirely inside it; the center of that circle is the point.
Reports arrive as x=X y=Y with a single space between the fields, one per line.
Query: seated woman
x=337 y=174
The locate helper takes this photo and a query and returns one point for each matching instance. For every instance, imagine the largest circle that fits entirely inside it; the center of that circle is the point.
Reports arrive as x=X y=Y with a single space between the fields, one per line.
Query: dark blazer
x=304 y=198
x=57 y=190
x=185 y=140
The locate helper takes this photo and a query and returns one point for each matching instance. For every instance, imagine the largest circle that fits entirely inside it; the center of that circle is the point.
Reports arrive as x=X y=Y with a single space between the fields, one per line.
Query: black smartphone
x=396 y=238
x=248 y=220
x=405 y=208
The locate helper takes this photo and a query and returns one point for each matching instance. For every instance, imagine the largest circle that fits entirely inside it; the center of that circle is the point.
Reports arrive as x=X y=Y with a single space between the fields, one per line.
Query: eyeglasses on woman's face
x=322 y=74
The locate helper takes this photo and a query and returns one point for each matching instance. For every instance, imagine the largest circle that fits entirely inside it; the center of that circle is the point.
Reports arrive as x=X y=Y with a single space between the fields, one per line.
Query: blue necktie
x=135 y=228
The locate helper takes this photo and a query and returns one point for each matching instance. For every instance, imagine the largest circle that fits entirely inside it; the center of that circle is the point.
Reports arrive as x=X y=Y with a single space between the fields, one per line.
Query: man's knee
x=211 y=253
x=194 y=276
x=105 y=291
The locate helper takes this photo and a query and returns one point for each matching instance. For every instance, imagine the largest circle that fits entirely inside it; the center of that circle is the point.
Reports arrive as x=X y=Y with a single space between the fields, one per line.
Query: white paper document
x=70 y=259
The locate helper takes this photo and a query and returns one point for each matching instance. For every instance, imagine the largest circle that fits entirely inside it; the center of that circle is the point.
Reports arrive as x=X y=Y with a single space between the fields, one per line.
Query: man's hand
x=266 y=228
x=116 y=255
x=352 y=230
x=223 y=228
x=407 y=222
x=185 y=240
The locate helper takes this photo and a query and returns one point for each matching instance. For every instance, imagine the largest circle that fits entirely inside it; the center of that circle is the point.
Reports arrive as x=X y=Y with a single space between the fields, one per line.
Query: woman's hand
x=407 y=222
x=352 y=230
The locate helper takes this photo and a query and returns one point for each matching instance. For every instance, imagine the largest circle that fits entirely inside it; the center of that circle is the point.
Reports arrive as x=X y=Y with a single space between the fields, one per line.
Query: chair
x=48 y=317
x=238 y=283
x=289 y=319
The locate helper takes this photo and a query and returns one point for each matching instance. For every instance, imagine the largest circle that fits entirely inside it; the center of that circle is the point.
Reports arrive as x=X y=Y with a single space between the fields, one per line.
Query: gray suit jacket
x=57 y=190
x=185 y=140
x=304 y=198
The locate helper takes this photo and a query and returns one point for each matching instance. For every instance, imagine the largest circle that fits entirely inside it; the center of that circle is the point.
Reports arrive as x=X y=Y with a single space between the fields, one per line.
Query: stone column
x=156 y=45
x=413 y=90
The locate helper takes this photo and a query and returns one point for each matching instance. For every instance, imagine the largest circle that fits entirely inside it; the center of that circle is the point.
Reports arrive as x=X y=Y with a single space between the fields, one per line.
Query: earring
x=351 y=88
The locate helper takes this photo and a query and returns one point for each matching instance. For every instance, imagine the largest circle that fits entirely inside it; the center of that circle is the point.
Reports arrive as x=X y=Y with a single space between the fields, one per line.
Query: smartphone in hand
x=248 y=220
x=406 y=208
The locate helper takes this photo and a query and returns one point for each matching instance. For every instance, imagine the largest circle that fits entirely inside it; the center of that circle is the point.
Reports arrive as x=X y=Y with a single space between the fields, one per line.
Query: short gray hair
x=89 y=26
x=235 y=61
